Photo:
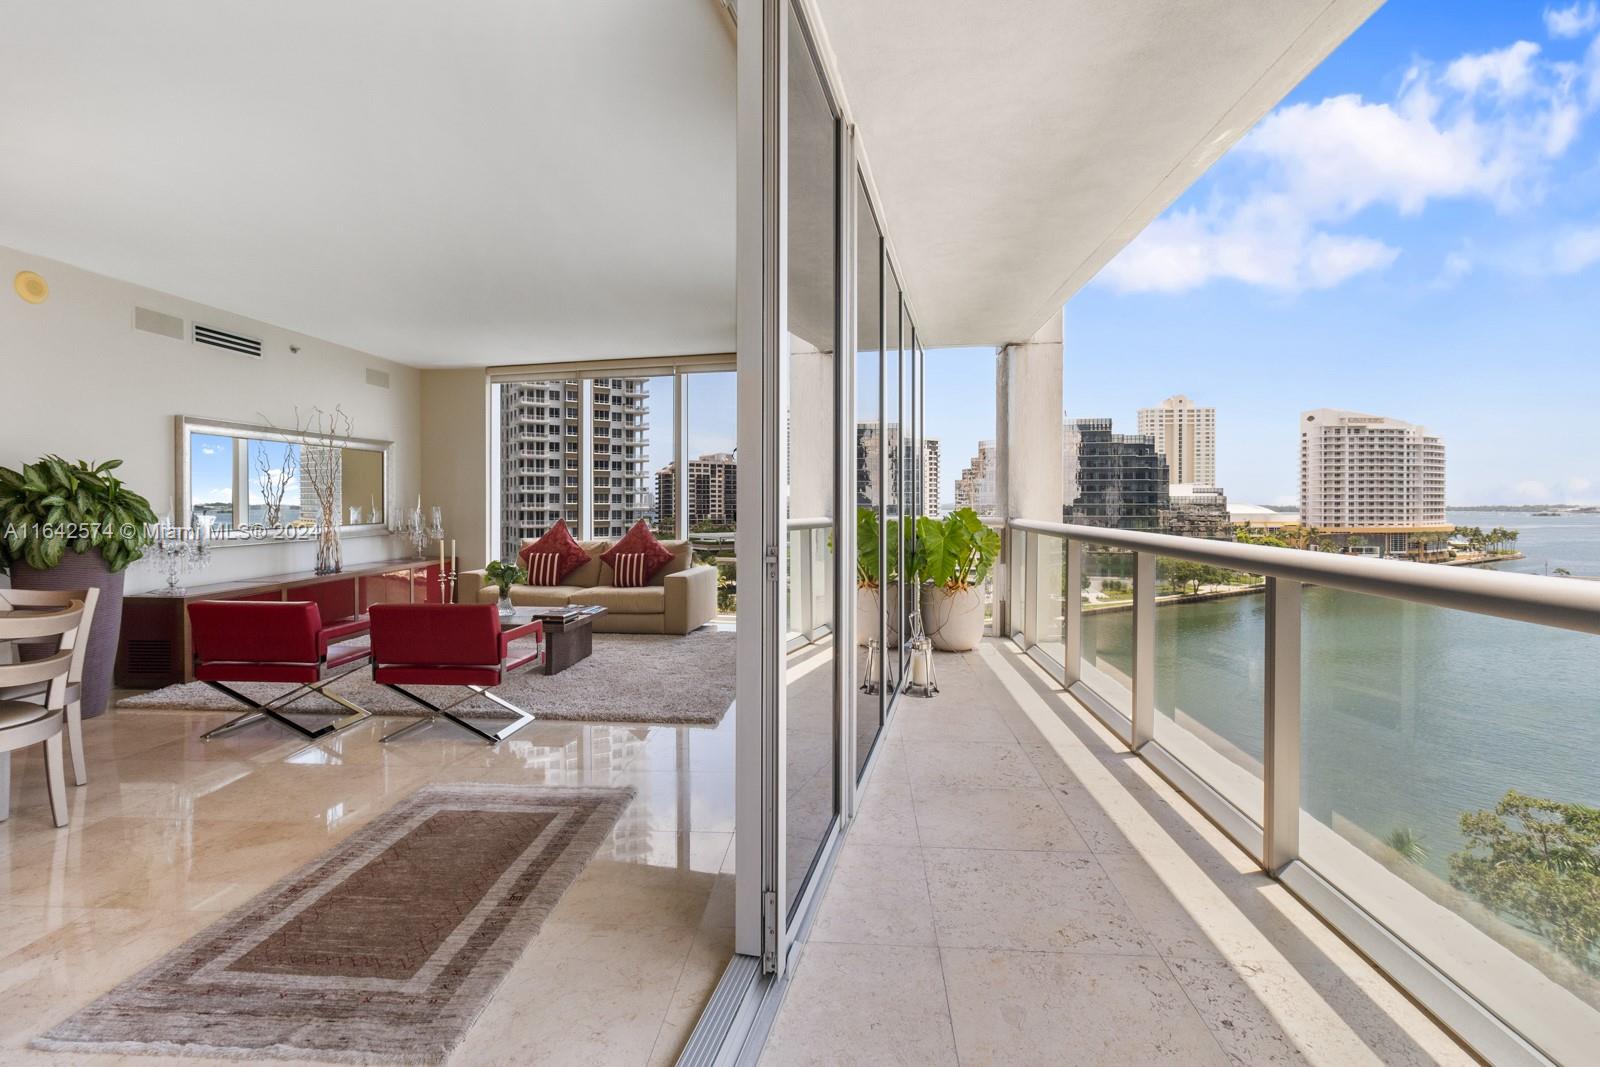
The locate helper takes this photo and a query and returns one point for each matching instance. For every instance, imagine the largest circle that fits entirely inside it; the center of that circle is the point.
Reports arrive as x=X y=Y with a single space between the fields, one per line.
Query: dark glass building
x=1113 y=479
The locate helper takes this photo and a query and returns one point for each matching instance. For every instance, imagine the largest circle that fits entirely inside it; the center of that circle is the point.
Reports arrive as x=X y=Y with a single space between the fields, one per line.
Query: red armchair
x=266 y=641
x=450 y=645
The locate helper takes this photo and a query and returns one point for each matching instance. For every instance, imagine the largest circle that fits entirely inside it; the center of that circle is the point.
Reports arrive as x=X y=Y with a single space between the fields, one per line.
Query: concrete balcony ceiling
x=1017 y=148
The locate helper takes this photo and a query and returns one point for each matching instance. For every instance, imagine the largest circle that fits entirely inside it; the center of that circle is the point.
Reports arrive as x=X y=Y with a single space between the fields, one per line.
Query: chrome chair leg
x=273 y=709
x=436 y=712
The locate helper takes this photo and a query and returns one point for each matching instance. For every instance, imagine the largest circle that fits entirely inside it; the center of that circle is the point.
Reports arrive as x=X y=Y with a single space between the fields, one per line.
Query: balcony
x=1018 y=884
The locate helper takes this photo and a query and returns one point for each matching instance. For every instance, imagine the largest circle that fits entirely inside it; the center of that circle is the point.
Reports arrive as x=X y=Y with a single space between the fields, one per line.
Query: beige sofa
x=680 y=597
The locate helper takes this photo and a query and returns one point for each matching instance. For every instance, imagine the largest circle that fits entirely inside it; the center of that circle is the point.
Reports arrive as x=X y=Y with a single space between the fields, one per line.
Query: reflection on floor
x=171 y=832
x=1019 y=889
x=810 y=757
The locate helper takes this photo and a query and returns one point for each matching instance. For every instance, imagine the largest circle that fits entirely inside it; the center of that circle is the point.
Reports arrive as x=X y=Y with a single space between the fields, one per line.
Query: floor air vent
x=207 y=335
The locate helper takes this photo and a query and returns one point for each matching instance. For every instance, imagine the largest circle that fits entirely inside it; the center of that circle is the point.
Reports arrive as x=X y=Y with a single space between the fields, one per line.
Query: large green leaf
x=82 y=505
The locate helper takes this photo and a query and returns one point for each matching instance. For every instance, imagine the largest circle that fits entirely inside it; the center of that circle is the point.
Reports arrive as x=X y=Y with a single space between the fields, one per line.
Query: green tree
x=1537 y=862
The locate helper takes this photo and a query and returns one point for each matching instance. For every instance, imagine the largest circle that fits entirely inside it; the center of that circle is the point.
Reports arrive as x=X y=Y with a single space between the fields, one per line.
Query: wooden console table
x=153 y=648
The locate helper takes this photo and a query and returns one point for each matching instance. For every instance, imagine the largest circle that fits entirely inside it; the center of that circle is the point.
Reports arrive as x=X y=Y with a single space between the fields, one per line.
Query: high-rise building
x=1187 y=436
x=540 y=457
x=902 y=468
x=1121 y=481
x=1373 y=478
x=713 y=491
x=975 y=488
x=1197 y=511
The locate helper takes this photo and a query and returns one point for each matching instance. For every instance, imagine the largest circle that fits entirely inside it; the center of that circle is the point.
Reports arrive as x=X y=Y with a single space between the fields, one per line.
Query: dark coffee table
x=569 y=638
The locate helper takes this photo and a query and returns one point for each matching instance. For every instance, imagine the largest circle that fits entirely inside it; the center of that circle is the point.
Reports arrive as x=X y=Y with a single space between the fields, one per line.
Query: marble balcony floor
x=171 y=832
x=1019 y=889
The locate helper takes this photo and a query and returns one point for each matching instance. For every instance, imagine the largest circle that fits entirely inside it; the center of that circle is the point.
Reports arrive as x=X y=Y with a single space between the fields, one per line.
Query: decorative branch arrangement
x=323 y=437
x=273 y=481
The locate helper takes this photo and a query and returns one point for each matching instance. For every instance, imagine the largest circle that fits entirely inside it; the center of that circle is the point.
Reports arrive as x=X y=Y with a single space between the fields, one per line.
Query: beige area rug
x=630 y=678
x=382 y=951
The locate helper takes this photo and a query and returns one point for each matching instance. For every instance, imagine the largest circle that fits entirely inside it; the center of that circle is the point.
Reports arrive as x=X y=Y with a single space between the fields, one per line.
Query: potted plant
x=954 y=556
x=73 y=526
x=505 y=575
x=870 y=577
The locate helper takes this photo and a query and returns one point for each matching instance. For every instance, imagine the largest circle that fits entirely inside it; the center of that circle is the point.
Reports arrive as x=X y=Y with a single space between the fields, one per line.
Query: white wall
x=77 y=379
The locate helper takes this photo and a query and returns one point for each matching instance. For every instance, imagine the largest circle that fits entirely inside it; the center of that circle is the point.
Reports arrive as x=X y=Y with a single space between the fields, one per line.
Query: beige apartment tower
x=1373 y=477
x=1187 y=436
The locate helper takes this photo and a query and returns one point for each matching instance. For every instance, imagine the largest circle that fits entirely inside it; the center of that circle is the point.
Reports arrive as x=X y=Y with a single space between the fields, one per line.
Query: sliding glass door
x=811 y=404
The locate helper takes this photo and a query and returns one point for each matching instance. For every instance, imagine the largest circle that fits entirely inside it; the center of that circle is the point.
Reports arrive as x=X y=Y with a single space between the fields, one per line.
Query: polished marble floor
x=172 y=831
x=1019 y=889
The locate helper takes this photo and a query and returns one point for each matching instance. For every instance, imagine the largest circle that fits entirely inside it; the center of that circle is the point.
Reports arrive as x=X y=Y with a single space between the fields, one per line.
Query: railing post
x=1144 y=648
x=1072 y=609
x=1281 y=727
x=1031 y=610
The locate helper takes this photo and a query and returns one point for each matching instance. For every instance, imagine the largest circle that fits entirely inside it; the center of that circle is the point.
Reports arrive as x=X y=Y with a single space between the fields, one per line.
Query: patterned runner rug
x=382 y=951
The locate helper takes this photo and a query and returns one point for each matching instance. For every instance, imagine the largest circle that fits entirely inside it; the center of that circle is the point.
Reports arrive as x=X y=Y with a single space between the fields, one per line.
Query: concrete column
x=1028 y=425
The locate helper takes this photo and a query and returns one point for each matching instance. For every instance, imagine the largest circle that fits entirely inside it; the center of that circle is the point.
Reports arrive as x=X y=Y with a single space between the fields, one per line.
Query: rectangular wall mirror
x=245 y=483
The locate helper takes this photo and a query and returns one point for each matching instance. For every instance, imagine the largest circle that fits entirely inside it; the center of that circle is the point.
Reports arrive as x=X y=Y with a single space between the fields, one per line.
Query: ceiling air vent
x=152 y=321
x=207 y=335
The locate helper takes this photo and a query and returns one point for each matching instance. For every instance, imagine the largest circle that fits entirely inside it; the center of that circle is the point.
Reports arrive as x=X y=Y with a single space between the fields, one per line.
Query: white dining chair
x=32 y=721
x=33 y=599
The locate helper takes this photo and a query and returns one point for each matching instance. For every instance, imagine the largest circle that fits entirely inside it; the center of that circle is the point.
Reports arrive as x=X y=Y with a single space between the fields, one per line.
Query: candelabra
x=179 y=552
x=419 y=531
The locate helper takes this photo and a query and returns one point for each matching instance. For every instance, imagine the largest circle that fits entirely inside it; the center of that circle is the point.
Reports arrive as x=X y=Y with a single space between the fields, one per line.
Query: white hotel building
x=1187 y=435
x=1373 y=477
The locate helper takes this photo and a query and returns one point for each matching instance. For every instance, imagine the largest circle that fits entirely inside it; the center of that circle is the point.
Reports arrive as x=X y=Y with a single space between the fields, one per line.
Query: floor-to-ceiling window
x=599 y=449
x=712 y=477
x=810 y=729
x=868 y=436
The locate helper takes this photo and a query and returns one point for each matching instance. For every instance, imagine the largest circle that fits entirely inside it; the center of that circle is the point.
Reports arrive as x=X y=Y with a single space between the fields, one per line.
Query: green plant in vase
x=75 y=526
x=503 y=576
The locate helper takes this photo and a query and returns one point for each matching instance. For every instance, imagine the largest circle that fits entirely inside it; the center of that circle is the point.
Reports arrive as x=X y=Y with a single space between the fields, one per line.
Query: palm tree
x=1407 y=842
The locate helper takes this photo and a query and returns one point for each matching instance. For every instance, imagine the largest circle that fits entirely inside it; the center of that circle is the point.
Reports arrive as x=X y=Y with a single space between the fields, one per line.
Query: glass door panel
x=893 y=476
x=869 y=700
x=809 y=391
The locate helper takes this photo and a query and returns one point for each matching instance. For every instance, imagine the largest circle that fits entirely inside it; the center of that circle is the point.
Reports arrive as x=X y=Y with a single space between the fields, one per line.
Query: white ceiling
x=462 y=183
x=1017 y=146
x=519 y=181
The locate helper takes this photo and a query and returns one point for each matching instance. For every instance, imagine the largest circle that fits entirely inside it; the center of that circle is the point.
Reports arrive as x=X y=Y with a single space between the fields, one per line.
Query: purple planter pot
x=86 y=571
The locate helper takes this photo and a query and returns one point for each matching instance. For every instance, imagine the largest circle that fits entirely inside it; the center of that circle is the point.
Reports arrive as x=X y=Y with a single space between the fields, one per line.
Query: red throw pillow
x=628 y=570
x=639 y=540
x=544 y=568
x=559 y=541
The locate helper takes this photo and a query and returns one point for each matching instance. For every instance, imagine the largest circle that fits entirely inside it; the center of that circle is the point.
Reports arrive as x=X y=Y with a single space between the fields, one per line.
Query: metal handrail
x=1559 y=602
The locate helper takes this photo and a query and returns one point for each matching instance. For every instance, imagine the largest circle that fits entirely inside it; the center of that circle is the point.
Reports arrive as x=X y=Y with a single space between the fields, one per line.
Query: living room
x=299 y=391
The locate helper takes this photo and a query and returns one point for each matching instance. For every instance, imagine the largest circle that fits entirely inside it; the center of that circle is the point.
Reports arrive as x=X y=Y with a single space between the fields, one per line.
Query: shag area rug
x=384 y=950
x=629 y=678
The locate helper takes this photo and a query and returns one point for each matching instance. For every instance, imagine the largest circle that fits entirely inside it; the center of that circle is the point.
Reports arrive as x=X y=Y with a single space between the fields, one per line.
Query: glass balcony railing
x=1408 y=747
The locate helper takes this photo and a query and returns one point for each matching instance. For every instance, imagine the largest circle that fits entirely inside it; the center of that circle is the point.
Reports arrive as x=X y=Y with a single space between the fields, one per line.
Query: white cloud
x=1575 y=250
x=1487 y=127
x=1507 y=71
x=1574 y=21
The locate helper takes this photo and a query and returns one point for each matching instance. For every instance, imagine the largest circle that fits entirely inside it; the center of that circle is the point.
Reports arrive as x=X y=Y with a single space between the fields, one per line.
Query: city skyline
x=1415 y=231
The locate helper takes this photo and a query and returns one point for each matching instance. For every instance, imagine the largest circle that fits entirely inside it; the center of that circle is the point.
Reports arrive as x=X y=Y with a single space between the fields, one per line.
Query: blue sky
x=1413 y=232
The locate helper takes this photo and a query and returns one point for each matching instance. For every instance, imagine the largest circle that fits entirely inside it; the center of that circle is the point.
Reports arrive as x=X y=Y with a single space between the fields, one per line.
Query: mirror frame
x=187 y=425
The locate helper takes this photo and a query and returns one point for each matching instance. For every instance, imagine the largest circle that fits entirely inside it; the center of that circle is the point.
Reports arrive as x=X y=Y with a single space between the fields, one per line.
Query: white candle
x=441 y=555
x=452 y=554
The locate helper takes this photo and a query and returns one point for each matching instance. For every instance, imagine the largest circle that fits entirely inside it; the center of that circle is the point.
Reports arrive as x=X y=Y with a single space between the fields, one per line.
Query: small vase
x=330 y=556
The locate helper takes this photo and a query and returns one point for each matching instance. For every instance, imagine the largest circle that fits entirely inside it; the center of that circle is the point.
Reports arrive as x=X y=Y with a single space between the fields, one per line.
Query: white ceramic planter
x=954 y=620
x=868 y=604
